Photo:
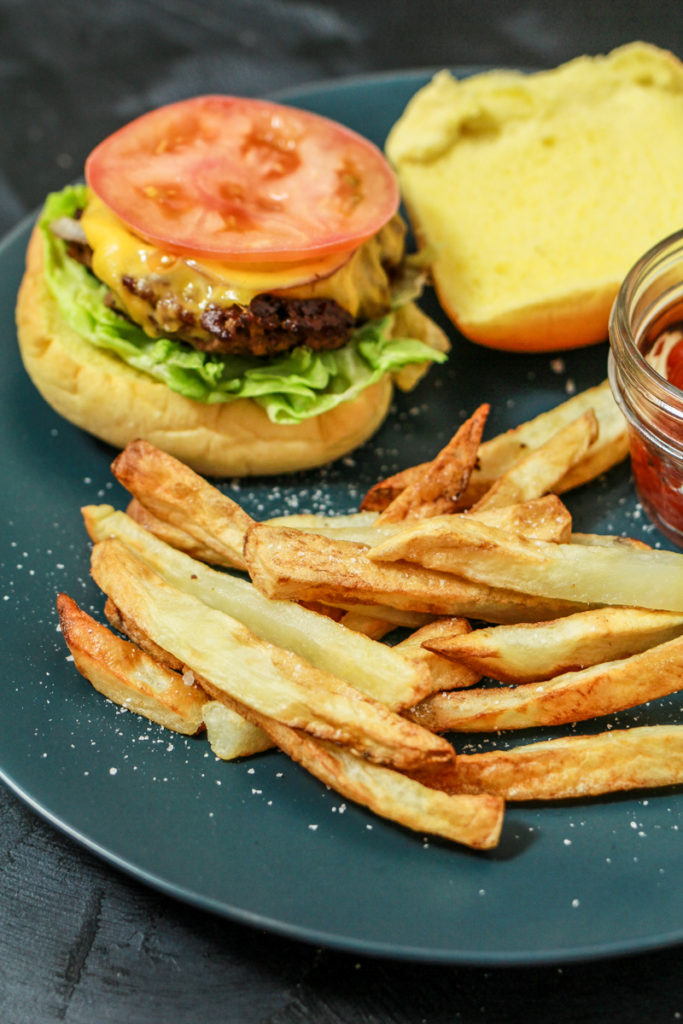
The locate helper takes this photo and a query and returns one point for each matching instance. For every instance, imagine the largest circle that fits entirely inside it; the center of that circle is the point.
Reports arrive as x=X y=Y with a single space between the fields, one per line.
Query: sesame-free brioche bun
x=536 y=192
x=117 y=403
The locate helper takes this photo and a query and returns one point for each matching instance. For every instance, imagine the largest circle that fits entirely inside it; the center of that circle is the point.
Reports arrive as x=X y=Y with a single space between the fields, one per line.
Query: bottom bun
x=117 y=403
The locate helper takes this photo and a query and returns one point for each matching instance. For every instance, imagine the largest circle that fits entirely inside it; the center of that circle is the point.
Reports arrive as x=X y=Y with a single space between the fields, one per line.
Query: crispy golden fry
x=571 y=697
x=577 y=766
x=546 y=518
x=391 y=617
x=240 y=731
x=526 y=652
x=175 y=536
x=195 y=517
x=433 y=492
x=230 y=735
x=175 y=493
x=128 y=676
x=540 y=471
x=375 y=669
x=370 y=625
x=289 y=564
x=473 y=822
x=381 y=494
x=462 y=818
x=235 y=662
x=445 y=673
x=445 y=478
x=610 y=447
x=607 y=540
x=471 y=819
x=338 y=525
x=499 y=453
x=226 y=556
x=235 y=730
x=353 y=526
x=231 y=731
x=128 y=627
x=594 y=574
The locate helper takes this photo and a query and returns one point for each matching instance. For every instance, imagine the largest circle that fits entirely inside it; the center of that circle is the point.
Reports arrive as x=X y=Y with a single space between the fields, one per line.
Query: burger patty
x=272 y=322
x=268 y=325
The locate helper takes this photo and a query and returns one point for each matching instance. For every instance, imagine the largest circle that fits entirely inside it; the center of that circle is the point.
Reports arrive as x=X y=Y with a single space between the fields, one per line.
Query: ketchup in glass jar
x=666 y=355
x=646 y=375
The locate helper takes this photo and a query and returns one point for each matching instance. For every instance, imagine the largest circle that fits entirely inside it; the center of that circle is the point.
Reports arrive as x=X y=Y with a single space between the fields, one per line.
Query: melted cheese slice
x=356 y=280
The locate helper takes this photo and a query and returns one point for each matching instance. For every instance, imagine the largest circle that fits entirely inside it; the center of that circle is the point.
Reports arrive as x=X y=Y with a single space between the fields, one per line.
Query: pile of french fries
x=274 y=634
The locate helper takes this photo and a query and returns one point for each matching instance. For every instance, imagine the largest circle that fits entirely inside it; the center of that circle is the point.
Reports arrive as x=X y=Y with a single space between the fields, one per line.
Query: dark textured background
x=79 y=942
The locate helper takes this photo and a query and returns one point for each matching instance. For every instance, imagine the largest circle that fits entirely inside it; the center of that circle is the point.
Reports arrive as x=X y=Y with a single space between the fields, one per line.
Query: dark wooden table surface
x=80 y=942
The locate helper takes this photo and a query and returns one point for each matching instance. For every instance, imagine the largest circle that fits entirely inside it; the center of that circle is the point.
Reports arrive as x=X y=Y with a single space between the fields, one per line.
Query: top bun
x=117 y=403
x=538 y=192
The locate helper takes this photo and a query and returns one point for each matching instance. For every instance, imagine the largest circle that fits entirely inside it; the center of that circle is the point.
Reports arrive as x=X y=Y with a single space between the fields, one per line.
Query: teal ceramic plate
x=261 y=842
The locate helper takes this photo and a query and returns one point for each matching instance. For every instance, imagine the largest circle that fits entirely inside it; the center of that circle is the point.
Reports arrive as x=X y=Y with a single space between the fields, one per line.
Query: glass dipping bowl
x=649 y=301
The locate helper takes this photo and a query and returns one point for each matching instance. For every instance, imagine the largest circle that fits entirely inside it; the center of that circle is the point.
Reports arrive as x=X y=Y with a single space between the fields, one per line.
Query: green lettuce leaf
x=291 y=387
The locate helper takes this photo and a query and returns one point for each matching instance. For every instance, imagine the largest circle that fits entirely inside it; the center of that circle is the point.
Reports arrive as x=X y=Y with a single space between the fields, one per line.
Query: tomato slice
x=243 y=180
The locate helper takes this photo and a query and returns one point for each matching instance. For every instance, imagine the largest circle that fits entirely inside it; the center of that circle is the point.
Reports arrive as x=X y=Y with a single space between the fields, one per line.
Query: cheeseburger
x=231 y=284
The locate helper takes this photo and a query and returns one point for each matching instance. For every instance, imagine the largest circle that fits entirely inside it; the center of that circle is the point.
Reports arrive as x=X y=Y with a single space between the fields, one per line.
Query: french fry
x=608 y=449
x=366 y=623
x=543 y=518
x=352 y=526
x=546 y=518
x=275 y=662
x=341 y=525
x=236 y=663
x=445 y=673
x=230 y=735
x=390 y=618
x=435 y=492
x=573 y=767
x=593 y=574
x=175 y=536
x=499 y=453
x=438 y=489
x=607 y=540
x=374 y=668
x=128 y=676
x=382 y=493
x=291 y=565
x=571 y=697
x=474 y=820
x=175 y=493
x=526 y=652
x=541 y=470
x=128 y=627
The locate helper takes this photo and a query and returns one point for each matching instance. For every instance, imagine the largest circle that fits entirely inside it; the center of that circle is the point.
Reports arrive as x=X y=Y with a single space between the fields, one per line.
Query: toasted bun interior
x=117 y=403
x=538 y=192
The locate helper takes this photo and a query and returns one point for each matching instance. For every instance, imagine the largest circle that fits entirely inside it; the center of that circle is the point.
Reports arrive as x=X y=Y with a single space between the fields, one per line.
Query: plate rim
x=311 y=936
